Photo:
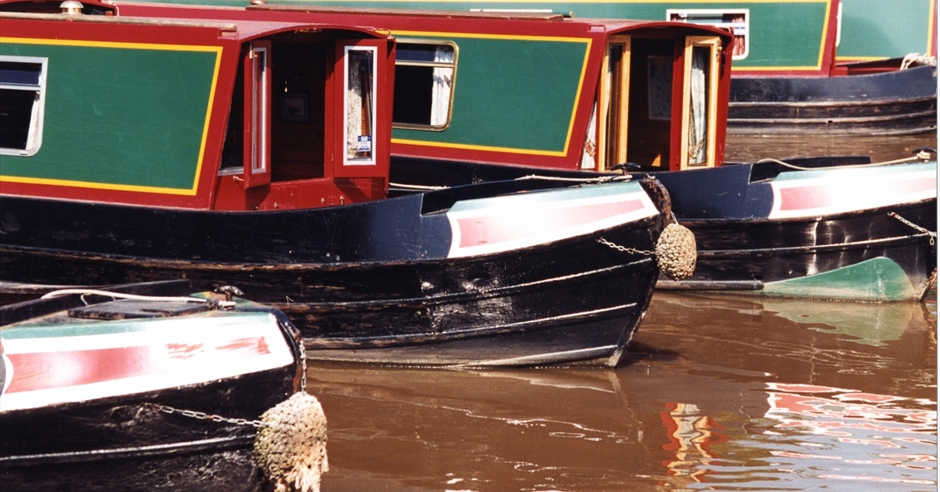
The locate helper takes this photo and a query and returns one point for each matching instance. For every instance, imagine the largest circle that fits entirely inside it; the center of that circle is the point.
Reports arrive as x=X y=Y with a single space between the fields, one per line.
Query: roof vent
x=71 y=7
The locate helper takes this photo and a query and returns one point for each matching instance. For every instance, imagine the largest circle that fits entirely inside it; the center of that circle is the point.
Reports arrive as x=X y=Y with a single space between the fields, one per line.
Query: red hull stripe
x=513 y=226
x=513 y=222
x=47 y=370
x=54 y=367
x=856 y=189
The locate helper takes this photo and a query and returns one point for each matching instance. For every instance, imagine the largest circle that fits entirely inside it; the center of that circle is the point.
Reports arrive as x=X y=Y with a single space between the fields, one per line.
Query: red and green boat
x=493 y=96
x=253 y=151
x=801 y=67
x=102 y=390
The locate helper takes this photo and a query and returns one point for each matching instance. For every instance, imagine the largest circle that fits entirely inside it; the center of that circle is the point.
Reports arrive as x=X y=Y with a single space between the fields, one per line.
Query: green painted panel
x=784 y=34
x=878 y=279
x=884 y=29
x=511 y=93
x=119 y=116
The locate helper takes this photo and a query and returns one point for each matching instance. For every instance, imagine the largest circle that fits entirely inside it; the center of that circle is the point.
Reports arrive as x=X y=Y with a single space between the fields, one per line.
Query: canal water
x=718 y=392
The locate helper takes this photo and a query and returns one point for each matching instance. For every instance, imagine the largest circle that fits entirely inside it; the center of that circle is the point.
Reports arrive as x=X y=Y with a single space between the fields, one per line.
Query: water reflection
x=718 y=392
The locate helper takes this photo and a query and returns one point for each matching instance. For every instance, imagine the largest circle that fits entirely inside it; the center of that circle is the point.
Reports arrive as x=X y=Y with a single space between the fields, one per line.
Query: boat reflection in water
x=717 y=391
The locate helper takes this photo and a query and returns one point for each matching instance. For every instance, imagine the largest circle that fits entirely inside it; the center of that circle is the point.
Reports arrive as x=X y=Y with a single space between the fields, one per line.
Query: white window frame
x=706 y=17
x=374 y=93
x=34 y=140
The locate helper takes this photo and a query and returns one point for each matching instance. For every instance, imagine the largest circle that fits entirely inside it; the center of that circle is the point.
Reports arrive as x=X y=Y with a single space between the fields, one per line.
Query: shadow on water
x=718 y=391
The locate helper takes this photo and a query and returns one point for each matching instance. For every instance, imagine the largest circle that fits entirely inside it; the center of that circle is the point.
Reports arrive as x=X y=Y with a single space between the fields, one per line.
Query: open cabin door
x=702 y=58
x=359 y=150
x=257 y=123
x=657 y=103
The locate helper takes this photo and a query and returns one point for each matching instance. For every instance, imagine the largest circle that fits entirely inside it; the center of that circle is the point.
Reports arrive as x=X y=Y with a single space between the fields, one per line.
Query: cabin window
x=258 y=112
x=22 y=101
x=424 y=82
x=360 y=104
x=734 y=20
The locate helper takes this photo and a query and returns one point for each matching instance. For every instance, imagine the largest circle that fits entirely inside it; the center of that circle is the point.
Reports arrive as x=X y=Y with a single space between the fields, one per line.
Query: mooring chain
x=218 y=418
x=624 y=249
x=303 y=364
x=203 y=415
x=914 y=226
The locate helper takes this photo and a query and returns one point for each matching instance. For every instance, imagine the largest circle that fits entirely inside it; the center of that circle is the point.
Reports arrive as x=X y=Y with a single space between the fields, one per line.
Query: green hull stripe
x=878 y=279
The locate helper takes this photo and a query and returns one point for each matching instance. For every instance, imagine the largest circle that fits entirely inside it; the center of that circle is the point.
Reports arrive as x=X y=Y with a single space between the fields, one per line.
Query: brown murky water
x=718 y=393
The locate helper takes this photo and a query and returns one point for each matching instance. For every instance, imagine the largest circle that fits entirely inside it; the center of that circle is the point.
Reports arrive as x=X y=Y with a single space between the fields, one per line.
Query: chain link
x=914 y=226
x=624 y=249
x=203 y=415
x=303 y=363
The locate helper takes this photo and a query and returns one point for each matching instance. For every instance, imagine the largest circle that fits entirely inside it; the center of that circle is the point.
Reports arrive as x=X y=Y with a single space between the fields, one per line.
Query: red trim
x=508 y=226
x=47 y=370
x=819 y=196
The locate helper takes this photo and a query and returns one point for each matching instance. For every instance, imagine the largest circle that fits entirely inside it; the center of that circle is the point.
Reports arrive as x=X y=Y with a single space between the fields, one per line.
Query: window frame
x=713 y=45
x=689 y=15
x=37 y=119
x=453 y=78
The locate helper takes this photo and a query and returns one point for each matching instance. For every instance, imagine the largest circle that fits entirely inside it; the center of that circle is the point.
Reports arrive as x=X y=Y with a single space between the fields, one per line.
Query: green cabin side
x=788 y=36
x=878 y=29
x=159 y=96
x=496 y=72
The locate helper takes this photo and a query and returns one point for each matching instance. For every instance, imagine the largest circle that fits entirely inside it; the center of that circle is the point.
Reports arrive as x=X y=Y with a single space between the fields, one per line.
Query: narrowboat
x=255 y=152
x=788 y=75
x=491 y=96
x=135 y=388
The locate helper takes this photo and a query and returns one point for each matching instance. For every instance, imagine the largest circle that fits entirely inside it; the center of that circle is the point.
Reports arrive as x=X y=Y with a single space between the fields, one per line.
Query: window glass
x=424 y=81
x=22 y=94
x=360 y=105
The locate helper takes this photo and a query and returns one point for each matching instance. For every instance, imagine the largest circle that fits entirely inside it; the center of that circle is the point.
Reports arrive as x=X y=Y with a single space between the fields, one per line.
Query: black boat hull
x=878 y=257
x=571 y=300
x=873 y=254
x=128 y=443
x=888 y=103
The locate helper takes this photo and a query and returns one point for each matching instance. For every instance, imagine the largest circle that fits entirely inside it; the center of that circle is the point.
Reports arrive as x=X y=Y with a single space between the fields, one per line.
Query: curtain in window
x=443 y=78
x=698 y=119
x=589 y=154
x=359 y=106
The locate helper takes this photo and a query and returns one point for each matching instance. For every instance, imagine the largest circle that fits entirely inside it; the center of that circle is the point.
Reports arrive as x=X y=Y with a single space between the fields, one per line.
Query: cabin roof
x=386 y=18
x=609 y=25
x=237 y=29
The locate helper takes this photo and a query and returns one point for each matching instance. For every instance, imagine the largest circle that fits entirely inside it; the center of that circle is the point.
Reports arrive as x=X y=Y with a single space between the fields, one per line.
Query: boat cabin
x=201 y=113
x=538 y=90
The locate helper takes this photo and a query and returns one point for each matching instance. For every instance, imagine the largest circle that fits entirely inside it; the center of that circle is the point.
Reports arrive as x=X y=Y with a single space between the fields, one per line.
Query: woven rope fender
x=675 y=252
x=291 y=444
